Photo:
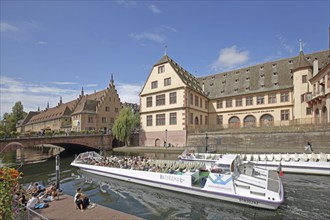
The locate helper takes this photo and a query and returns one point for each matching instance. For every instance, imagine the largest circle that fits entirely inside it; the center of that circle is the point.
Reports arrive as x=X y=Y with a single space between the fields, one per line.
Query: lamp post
x=4 y=126
x=206 y=147
x=166 y=138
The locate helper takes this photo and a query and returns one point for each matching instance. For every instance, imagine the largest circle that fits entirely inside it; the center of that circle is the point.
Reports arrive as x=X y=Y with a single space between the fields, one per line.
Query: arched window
x=324 y=115
x=234 y=122
x=196 y=121
x=157 y=142
x=266 y=120
x=317 y=116
x=249 y=121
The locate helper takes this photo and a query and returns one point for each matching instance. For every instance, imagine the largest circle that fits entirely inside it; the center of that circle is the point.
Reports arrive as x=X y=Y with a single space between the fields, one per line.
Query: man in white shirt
x=33 y=201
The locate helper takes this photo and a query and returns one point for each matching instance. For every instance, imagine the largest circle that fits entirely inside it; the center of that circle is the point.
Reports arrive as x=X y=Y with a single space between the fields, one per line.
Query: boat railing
x=159 y=166
x=273 y=181
x=302 y=157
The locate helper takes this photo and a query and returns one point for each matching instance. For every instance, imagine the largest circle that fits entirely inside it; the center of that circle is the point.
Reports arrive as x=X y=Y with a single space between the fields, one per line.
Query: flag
x=279 y=169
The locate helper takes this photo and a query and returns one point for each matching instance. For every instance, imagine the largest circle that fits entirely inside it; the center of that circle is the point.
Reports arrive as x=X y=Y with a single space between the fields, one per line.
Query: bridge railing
x=36 y=135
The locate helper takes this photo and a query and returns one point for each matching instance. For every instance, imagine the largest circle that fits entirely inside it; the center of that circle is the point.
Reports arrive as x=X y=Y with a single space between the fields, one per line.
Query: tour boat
x=302 y=163
x=228 y=179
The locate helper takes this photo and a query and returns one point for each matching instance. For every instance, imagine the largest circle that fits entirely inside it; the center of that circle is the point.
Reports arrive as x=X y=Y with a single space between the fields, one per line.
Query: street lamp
x=4 y=127
x=165 y=138
x=206 y=147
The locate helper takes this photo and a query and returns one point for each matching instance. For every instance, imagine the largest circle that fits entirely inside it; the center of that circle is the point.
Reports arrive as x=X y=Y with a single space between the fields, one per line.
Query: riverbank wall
x=262 y=141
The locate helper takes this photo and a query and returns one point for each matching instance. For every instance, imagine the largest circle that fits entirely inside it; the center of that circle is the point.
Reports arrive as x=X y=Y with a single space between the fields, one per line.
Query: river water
x=306 y=196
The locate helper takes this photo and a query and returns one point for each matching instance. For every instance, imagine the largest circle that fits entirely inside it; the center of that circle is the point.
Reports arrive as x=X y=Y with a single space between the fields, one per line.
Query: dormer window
x=161 y=69
x=248 y=70
x=247 y=78
x=225 y=74
x=222 y=91
x=236 y=80
x=211 y=84
x=274 y=65
x=262 y=67
x=262 y=75
x=276 y=84
x=237 y=72
x=223 y=82
x=290 y=62
x=235 y=90
x=247 y=88
x=212 y=77
x=274 y=73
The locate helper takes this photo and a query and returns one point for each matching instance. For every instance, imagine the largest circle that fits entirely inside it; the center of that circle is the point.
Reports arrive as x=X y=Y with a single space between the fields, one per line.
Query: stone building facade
x=174 y=103
x=96 y=111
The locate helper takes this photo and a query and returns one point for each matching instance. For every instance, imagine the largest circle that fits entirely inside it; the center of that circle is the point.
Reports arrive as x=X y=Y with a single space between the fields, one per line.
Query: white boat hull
x=177 y=183
x=314 y=168
x=317 y=164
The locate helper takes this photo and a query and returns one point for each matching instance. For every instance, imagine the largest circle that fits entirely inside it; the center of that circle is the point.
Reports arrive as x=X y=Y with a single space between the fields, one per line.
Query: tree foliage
x=125 y=124
x=9 y=121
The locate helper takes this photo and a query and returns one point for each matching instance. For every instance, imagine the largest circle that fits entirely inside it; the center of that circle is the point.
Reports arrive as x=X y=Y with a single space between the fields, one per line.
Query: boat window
x=221 y=168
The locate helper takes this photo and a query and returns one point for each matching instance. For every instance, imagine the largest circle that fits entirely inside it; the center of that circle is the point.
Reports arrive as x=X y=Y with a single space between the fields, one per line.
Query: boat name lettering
x=172 y=178
x=249 y=201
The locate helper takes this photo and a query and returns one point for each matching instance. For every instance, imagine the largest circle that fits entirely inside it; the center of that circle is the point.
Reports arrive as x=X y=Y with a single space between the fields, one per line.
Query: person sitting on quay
x=50 y=194
x=35 y=203
x=81 y=200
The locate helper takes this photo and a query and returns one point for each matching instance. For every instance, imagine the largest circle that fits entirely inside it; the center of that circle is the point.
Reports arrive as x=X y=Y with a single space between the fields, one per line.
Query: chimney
x=315 y=67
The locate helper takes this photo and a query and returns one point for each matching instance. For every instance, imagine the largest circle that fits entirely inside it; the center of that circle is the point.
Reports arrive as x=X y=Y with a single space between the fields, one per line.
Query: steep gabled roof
x=62 y=110
x=187 y=78
x=88 y=103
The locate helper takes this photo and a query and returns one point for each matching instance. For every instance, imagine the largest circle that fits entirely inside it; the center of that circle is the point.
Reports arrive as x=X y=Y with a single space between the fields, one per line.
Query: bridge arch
x=14 y=144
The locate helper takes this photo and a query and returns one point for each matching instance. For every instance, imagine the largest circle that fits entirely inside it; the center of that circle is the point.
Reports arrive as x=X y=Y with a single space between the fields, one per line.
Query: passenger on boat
x=309 y=147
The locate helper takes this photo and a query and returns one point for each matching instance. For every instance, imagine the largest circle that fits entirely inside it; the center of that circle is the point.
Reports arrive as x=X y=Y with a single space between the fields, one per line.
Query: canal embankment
x=64 y=208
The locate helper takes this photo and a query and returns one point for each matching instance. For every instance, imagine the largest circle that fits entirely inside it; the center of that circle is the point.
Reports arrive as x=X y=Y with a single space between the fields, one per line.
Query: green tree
x=125 y=124
x=9 y=121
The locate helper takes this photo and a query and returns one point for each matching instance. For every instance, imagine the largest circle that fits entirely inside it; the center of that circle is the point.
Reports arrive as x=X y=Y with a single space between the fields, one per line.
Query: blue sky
x=54 y=48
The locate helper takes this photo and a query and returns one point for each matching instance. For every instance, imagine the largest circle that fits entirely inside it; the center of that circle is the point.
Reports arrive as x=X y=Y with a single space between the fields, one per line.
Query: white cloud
x=169 y=28
x=91 y=85
x=154 y=9
x=229 y=58
x=33 y=95
x=129 y=92
x=158 y=38
x=126 y=3
x=5 y=27
x=63 y=83
x=42 y=42
x=284 y=44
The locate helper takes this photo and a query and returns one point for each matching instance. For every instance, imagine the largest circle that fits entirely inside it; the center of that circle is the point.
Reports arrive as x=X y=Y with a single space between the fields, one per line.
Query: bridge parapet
x=96 y=141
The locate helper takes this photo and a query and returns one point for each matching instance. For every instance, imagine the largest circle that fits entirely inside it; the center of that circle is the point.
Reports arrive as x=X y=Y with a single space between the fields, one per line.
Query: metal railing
x=24 y=213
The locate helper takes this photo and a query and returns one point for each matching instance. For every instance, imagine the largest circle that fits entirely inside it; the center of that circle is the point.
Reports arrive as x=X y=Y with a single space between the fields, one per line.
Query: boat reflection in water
x=29 y=155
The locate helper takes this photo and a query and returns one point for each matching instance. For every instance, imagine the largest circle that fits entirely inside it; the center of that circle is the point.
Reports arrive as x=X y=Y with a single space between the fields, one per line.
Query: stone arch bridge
x=96 y=141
